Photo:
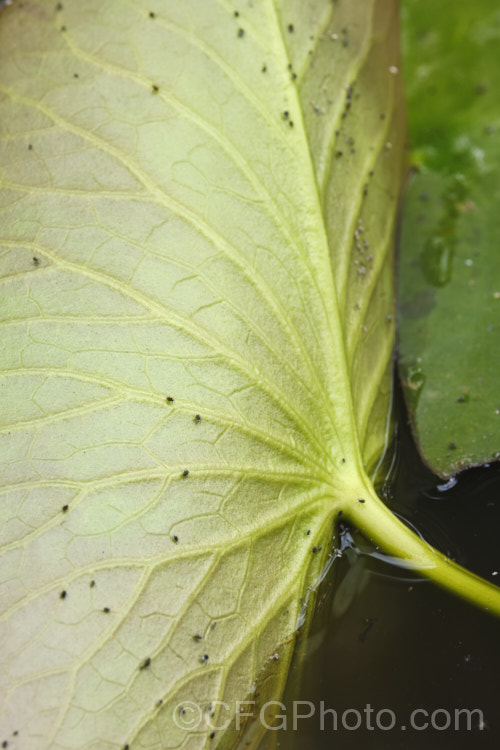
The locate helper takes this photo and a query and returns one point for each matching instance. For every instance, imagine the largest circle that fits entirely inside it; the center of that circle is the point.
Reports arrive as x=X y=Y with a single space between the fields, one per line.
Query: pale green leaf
x=171 y=246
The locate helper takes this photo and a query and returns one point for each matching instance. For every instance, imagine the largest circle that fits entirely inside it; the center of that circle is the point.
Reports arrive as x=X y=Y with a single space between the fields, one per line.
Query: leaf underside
x=197 y=342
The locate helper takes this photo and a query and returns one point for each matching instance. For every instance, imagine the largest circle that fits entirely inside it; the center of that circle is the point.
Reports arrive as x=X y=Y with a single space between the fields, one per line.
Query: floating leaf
x=450 y=265
x=197 y=213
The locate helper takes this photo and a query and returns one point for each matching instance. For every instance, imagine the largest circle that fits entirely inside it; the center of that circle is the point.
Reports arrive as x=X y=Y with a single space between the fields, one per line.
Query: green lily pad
x=449 y=277
x=197 y=212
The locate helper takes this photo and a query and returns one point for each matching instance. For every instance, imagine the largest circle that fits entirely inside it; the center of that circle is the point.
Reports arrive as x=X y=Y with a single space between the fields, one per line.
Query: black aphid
x=175 y=538
x=59 y=6
x=145 y=664
x=30 y=147
x=340 y=513
x=197 y=418
x=212 y=735
x=170 y=399
x=197 y=637
x=36 y=260
x=360 y=500
x=152 y=14
x=185 y=473
x=290 y=122
x=63 y=28
x=204 y=658
x=286 y=114
x=291 y=28
x=315 y=549
x=62 y=595
x=264 y=68
x=236 y=13
x=155 y=88
x=308 y=532
x=241 y=32
x=65 y=508
x=106 y=609
x=75 y=75
x=92 y=584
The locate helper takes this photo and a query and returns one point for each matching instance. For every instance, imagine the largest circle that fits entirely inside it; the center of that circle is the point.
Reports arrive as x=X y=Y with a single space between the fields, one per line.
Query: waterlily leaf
x=197 y=213
x=449 y=336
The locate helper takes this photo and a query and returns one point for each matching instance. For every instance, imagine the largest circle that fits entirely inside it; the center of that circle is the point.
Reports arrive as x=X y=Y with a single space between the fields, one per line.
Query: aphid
x=315 y=549
x=152 y=14
x=126 y=747
x=236 y=13
x=158 y=703
x=452 y=446
x=213 y=624
x=92 y=584
x=5 y=743
x=75 y=75
x=185 y=473
x=145 y=664
x=106 y=609
x=30 y=147
x=290 y=122
x=338 y=154
x=286 y=114
x=291 y=28
x=212 y=735
x=294 y=76
x=170 y=400
x=175 y=538
x=62 y=595
x=241 y=32
x=360 y=500
x=155 y=88
x=320 y=548
x=59 y=6
x=343 y=460
x=204 y=658
x=308 y=532
x=65 y=508
x=339 y=513
x=36 y=260
x=197 y=418
x=264 y=68
x=197 y=637
x=63 y=28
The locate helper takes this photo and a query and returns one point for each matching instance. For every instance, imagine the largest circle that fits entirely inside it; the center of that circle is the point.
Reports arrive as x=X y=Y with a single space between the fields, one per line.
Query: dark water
x=383 y=641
